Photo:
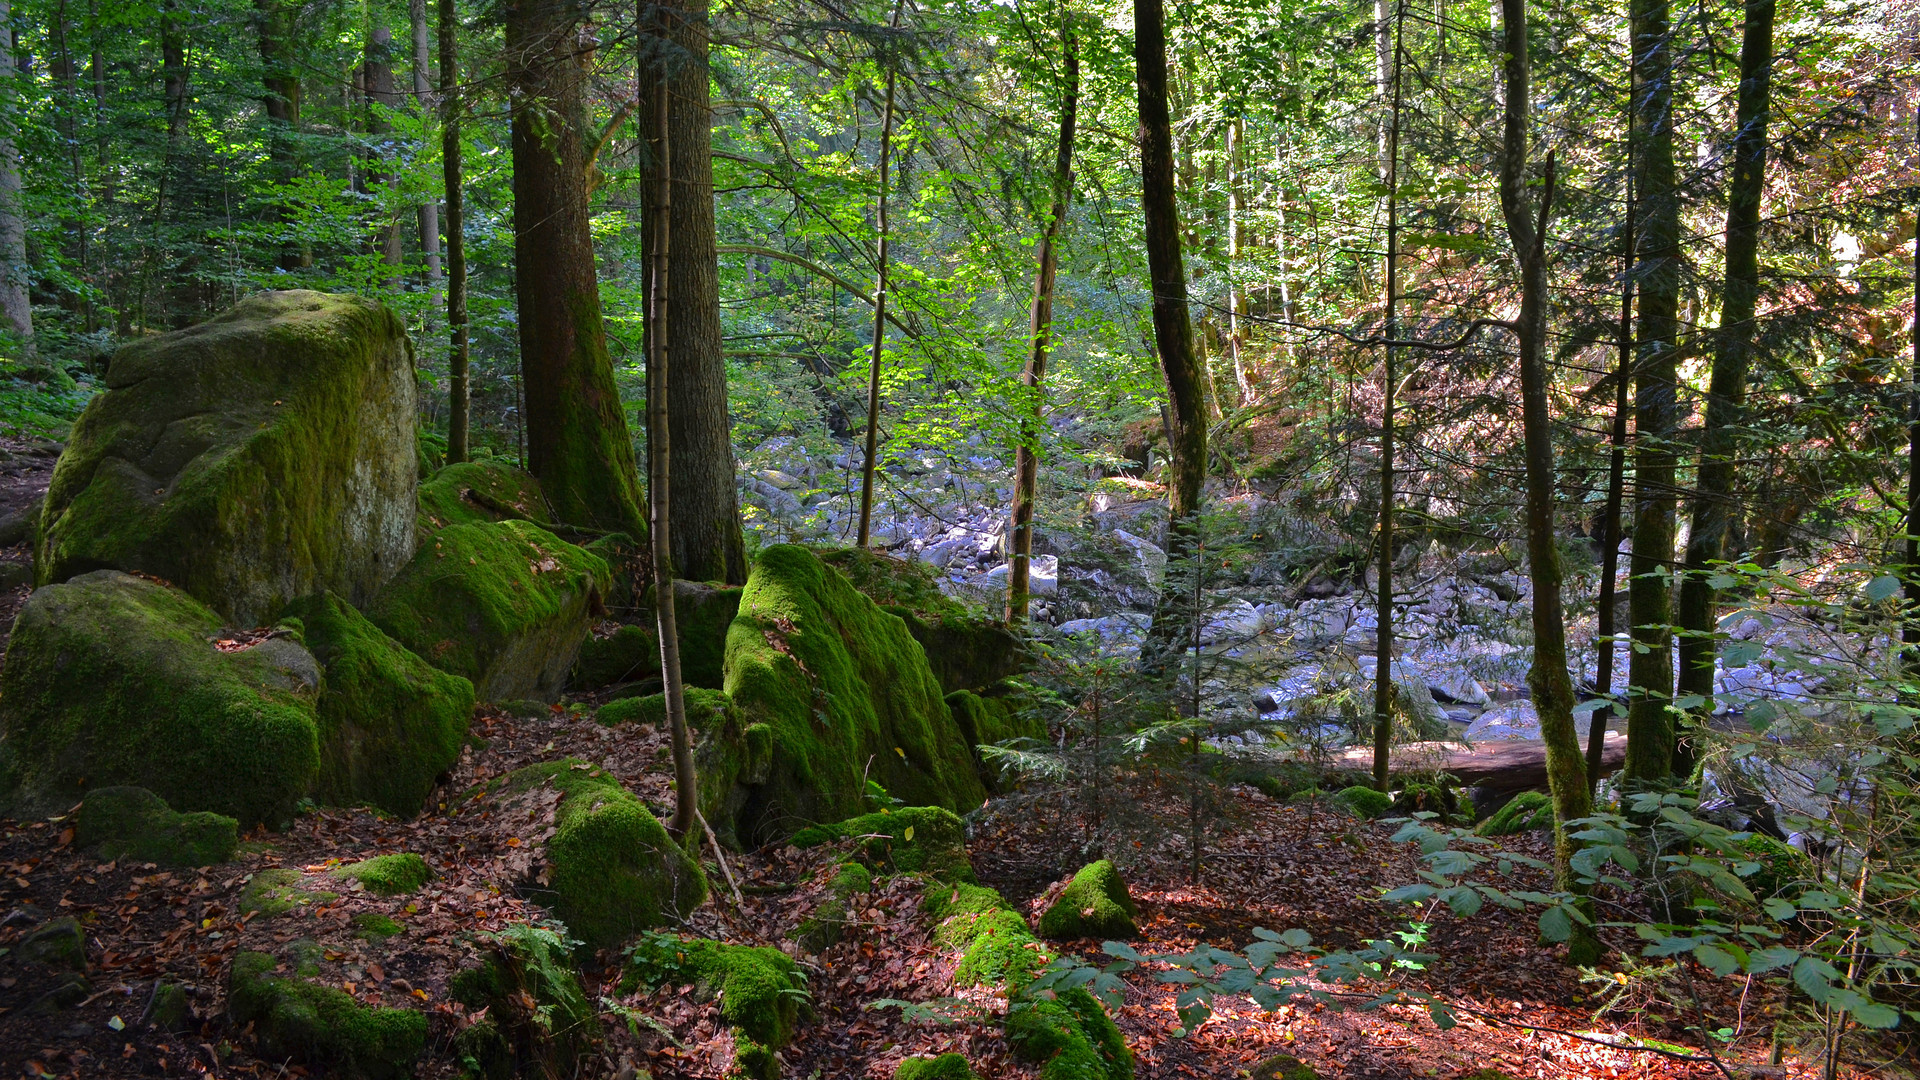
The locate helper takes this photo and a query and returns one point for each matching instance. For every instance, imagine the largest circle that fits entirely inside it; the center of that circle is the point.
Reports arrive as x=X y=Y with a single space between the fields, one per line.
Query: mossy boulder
x=968 y=650
x=56 y=943
x=846 y=694
x=1094 y=905
x=295 y=1018
x=474 y=492
x=612 y=656
x=611 y=869
x=396 y=874
x=540 y=1021
x=1780 y=865
x=390 y=723
x=265 y=454
x=630 y=651
x=762 y=993
x=1284 y=1067
x=280 y=889
x=996 y=948
x=944 y=1067
x=1003 y=713
x=504 y=604
x=114 y=680
x=1525 y=812
x=1071 y=1036
x=728 y=755
x=1364 y=801
x=134 y=823
x=1424 y=798
x=928 y=840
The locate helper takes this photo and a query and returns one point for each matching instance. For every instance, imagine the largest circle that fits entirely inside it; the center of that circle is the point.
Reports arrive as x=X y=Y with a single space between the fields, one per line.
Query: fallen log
x=1503 y=766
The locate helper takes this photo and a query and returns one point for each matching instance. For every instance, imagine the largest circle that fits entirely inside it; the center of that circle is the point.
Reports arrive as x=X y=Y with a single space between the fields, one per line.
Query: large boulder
x=113 y=679
x=630 y=652
x=967 y=650
x=263 y=455
x=391 y=723
x=845 y=693
x=476 y=491
x=504 y=604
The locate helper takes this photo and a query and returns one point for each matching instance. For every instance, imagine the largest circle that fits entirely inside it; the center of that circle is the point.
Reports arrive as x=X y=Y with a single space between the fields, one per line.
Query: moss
x=726 y=754
x=484 y=1050
x=1000 y=950
x=115 y=680
x=57 y=943
x=265 y=454
x=1095 y=904
x=479 y=491
x=631 y=652
x=134 y=823
x=1003 y=714
x=1781 y=864
x=278 y=890
x=1284 y=1067
x=893 y=582
x=373 y=926
x=388 y=875
x=762 y=993
x=294 y=1018
x=504 y=604
x=967 y=651
x=1524 y=812
x=1417 y=798
x=390 y=723
x=611 y=867
x=703 y=614
x=927 y=840
x=1364 y=801
x=942 y=901
x=1488 y=1074
x=168 y=1011
x=1071 y=1037
x=846 y=694
x=822 y=929
x=944 y=1067
x=542 y=1020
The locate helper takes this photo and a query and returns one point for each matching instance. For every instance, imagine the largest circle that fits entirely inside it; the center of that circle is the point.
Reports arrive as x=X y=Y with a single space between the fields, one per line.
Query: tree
x=576 y=427
x=1713 y=500
x=870 y=459
x=1033 y=376
x=383 y=99
x=458 y=385
x=1387 y=69
x=282 y=100
x=428 y=212
x=15 y=306
x=707 y=541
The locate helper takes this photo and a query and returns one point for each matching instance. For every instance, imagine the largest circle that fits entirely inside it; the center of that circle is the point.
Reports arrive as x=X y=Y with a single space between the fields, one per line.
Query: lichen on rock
x=134 y=823
x=265 y=454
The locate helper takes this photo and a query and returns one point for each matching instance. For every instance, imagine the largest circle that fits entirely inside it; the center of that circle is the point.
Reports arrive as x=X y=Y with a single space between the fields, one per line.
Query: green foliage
x=538 y=1014
x=931 y=840
x=135 y=824
x=388 y=875
x=944 y=1067
x=1095 y=904
x=1525 y=812
x=762 y=992
x=295 y=1018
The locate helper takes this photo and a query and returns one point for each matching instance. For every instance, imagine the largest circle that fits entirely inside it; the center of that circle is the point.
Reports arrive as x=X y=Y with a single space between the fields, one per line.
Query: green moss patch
x=390 y=723
x=1284 y=1067
x=388 y=875
x=116 y=680
x=1094 y=905
x=294 y=1018
x=134 y=823
x=279 y=890
x=1525 y=812
x=846 y=695
x=1364 y=801
x=504 y=604
x=628 y=654
x=822 y=929
x=611 y=869
x=480 y=491
x=376 y=927
x=1071 y=1037
x=944 y=1067
x=927 y=840
x=762 y=993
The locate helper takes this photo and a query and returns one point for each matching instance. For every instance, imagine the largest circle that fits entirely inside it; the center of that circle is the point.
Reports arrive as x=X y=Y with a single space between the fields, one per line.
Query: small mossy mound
x=1422 y=798
x=540 y=1021
x=504 y=604
x=846 y=694
x=1364 y=801
x=302 y=1020
x=1071 y=1037
x=996 y=947
x=168 y=1010
x=57 y=943
x=1525 y=812
x=113 y=680
x=390 y=723
x=944 y=1067
x=265 y=454
x=375 y=927
x=472 y=492
x=929 y=840
x=1284 y=1067
x=134 y=823
x=612 y=869
x=762 y=993
x=1780 y=864
x=388 y=875
x=1094 y=905
x=821 y=930
x=279 y=890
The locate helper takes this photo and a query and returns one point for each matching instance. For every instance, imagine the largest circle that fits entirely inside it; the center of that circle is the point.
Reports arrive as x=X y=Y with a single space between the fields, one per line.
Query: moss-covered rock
x=1425 y=798
x=967 y=649
x=611 y=869
x=762 y=994
x=944 y=1067
x=396 y=874
x=822 y=929
x=1780 y=865
x=928 y=840
x=112 y=679
x=1525 y=812
x=265 y=454
x=134 y=823
x=278 y=890
x=1002 y=713
x=631 y=651
x=1364 y=801
x=168 y=1010
x=846 y=694
x=390 y=723
x=627 y=652
x=1071 y=1037
x=1284 y=1067
x=56 y=943
x=375 y=927
x=308 y=1022
x=504 y=604
x=473 y=492
x=727 y=754
x=1094 y=905
x=540 y=1019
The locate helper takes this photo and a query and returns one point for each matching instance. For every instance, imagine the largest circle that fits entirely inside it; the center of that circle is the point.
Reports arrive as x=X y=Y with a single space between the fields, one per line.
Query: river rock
x=265 y=454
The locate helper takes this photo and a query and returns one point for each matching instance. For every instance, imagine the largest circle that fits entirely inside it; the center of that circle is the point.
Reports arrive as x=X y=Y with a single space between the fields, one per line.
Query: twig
x=725 y=870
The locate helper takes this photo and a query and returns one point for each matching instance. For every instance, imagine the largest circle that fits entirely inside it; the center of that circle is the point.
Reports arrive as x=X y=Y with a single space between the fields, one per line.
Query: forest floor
x=1269 y=864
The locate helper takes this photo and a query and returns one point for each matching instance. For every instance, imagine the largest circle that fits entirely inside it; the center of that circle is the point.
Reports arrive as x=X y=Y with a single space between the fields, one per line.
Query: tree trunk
x=575 y=426
x=1527 y=224
x=1026 y=458
x=382 y=98
x=708 y=544
x=686 y=801
x=458 y=396
x=1650 y=728
x=1389 y=68
x=872 y=449
x=1616 y=486
x=1172 y=330
x=282 y=100
x=1712 y=508
x=15 y=306
x=428 y=212
x=1236 y=237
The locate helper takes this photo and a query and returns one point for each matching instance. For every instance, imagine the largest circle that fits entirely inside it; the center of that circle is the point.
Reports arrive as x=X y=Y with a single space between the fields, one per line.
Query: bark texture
x=428 y=212
x=14 y=304
x=458 y=393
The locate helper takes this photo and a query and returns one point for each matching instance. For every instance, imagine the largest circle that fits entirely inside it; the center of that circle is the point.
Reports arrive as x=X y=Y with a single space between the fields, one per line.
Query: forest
x=944 y=540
